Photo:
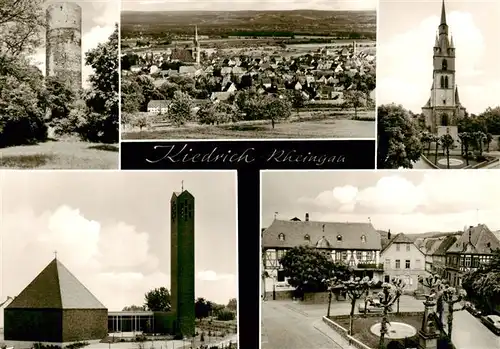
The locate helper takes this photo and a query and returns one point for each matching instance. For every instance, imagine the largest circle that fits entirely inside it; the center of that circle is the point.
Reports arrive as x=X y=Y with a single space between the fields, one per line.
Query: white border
x=119 y=84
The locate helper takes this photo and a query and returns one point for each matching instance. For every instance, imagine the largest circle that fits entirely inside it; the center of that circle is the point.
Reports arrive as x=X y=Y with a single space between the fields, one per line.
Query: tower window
x=442 y=82
x=444 y=64
x=339 y=237
x=363 y=238
x=307 y=237
x=445 y=82
x=281 y=237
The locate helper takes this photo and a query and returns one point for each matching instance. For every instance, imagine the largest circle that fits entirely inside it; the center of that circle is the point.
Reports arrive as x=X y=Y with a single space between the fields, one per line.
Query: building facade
x=355 y=244
x=473 y=248
x=182 y=262
x=404 y=260
x=443 y=109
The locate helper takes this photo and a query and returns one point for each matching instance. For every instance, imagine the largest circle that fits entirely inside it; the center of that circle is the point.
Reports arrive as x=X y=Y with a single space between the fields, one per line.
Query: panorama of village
x=248 y=74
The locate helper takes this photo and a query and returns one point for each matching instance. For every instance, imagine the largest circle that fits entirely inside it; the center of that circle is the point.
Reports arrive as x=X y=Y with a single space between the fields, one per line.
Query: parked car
x=372 y=308
x=492 y=322
x=471 y=308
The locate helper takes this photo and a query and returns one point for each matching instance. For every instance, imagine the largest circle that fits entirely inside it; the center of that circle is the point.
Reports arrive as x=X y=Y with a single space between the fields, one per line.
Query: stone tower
x=182 y=262
x=443 y=108
x=196 y=46
x=64 y=45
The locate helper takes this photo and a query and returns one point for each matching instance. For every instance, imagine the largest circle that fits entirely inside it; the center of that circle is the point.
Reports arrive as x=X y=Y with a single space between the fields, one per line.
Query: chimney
x=389 y=234
x=307 y=217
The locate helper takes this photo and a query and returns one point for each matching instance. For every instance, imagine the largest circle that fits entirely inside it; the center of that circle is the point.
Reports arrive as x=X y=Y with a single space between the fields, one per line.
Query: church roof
x=56 y=288
x=457 y=99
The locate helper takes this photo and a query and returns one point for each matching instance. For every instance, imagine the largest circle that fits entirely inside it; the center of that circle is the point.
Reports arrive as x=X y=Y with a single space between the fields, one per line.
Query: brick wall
x=34 y=325
x=84 y=324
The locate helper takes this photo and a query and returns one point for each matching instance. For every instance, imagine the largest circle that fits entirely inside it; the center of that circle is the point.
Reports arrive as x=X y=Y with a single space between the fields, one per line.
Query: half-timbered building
x=473 y=248
x=355 y=244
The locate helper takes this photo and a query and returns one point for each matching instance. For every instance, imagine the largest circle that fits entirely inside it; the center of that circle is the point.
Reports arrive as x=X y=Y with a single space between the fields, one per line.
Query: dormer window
x=307 y=237
x=363 y=238
x=339 y=237
x=281 y=237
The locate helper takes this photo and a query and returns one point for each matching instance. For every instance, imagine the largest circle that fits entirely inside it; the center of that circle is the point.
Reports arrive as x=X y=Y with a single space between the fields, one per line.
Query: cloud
x=210 y=275
x=442 y=200
x=113 y=260
x=405 y=64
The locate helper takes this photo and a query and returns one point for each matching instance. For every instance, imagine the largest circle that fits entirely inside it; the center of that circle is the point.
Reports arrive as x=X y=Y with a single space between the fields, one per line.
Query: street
x=285 y=327
x=469 y=333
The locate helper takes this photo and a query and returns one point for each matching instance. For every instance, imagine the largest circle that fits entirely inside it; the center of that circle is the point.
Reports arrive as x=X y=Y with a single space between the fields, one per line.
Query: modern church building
x=55 y=308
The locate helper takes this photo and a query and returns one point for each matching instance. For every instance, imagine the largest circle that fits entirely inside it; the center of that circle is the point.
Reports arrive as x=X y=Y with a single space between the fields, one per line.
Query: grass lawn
x=61 y=155
x=361 y=326
x=338 y=125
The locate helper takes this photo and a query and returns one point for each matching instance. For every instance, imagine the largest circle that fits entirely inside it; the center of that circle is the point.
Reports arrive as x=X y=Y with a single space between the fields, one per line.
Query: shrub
x=226 y=315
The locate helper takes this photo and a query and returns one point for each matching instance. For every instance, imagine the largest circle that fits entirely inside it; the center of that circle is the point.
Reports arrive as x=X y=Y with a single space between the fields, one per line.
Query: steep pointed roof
x=443 y=14
x=56 y=288
x=476 y=240
x=457 y=99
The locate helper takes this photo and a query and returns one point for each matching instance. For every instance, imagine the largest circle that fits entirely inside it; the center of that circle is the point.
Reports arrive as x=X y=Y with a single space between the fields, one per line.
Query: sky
x=98 y=23
x=238 y=5
x=405 y=41
x=111 y=229
x=410 y=202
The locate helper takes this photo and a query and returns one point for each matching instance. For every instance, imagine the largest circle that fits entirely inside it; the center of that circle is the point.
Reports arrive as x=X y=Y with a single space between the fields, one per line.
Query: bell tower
x=443 y=109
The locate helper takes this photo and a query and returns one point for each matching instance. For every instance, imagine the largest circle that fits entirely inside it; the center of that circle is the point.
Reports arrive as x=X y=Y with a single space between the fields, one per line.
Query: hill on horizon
x=311 y=22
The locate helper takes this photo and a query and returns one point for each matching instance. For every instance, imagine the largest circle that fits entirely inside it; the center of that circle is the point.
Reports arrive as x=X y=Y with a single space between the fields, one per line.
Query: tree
x=21 y=25
x=354 y=99
x=102 y=99
x=298 y=100
x=436 y=140
x=355 y=289
x=141 y=121
x=447 y=142
x=436 y=286
x=426 y=139
x=180 y=109
x=399 y=142
x=388 y=296
x=306 y=268
x=275 y=109
x=489 y=138
x=452 y=296
x=207 y=115
x=131 y=95
x=157 y=299
x=59 y=99
x=479 y=138
x=465 y=138
x=202 y=308
x=232 y=304
x=134 y=308
x=400 y=285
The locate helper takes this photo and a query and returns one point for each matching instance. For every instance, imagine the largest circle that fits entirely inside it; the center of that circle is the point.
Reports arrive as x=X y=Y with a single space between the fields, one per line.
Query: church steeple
x=443 y=14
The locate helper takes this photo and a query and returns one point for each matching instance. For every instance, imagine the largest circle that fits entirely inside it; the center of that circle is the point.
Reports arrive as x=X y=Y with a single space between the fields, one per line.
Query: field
x=286 y=23
x=60 y=155
x=337 y=126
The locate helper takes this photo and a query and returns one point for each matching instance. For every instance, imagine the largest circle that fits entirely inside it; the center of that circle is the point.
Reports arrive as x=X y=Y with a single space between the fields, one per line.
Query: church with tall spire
x=196 y=47
x=443 y=109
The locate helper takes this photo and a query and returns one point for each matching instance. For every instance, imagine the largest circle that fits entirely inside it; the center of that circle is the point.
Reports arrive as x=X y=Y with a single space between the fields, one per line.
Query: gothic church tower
x=443 y=108
x=196 y=46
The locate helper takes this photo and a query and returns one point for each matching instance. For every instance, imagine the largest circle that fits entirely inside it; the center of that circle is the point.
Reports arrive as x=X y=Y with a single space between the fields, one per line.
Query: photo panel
x=438 y=105
x=148 y=259
x=59 y=84
x=371 y=259
x=248 y=70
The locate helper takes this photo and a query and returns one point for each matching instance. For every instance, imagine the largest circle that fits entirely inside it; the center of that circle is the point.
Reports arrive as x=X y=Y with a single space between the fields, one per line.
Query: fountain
x=395 y=330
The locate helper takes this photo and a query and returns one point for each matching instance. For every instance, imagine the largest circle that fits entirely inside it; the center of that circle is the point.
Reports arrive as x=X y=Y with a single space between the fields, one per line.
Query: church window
x=339 y=237
x=307 y=237
x=442 y=82
x=363 y=238
x=444 y=120
x=281 y=237
x=444 y=64
x=445 y=82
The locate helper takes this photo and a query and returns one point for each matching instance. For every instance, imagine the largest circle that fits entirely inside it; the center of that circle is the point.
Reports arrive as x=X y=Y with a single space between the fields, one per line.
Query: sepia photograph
x=248 y=69
x=59 y=105
x=145 y=260
x=380 y=259
x=438 y=104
